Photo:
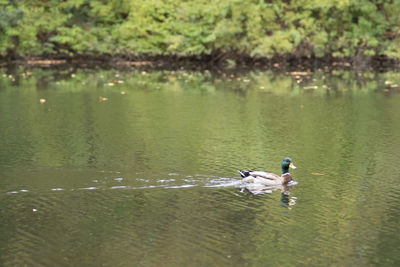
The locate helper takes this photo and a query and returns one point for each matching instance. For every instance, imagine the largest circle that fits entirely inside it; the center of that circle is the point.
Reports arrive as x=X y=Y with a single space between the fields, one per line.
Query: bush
x=310 y=28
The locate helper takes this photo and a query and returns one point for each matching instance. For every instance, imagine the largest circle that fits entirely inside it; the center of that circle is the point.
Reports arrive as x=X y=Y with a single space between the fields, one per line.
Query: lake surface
x=136 y=168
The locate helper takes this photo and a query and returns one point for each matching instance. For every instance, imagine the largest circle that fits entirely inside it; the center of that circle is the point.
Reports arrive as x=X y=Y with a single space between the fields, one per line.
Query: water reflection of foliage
x=288 y=83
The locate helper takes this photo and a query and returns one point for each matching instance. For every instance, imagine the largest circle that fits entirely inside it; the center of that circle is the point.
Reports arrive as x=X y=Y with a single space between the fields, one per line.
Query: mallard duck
x=267 y=178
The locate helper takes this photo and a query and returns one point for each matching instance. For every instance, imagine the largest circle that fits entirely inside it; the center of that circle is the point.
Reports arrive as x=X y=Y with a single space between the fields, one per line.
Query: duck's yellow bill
x=291 y=165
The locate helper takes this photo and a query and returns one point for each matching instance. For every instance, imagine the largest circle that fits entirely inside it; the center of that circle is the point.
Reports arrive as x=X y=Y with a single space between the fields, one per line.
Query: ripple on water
x=119 y=187
x=89 y=188
x=142 y=183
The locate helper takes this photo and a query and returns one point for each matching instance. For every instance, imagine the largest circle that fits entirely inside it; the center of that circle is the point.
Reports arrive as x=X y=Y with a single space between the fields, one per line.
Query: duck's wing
x=265 y=175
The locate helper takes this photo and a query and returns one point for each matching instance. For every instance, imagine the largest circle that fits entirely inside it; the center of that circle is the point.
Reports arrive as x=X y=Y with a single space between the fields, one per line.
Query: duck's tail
x=244 y=173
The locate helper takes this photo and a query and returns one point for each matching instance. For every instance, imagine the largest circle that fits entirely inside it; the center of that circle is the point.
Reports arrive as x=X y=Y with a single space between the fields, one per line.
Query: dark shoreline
x=201 y=62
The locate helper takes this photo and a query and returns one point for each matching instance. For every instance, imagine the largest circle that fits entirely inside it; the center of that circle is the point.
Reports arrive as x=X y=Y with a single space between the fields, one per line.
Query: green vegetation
x=220 y=29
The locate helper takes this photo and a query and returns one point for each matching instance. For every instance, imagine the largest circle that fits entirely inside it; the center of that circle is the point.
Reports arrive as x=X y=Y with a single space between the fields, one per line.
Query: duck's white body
x=267 y=178
x=262 y=178
x=260 y=181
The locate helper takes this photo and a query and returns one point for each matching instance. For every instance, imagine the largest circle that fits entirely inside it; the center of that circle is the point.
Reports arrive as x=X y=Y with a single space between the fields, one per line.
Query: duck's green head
x=286 y=164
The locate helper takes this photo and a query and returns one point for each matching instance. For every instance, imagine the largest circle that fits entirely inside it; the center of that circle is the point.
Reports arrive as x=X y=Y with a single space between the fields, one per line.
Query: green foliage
x=257 y=28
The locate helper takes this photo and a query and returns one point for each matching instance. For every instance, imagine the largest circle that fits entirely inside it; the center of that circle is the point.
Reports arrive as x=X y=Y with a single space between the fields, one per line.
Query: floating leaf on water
x=123 y=93
x=111 y=84
x=42 y=100
x=73 y=75
x=34 y=210
x=388 y=82
x=103 y=98
x=310 y=87
x=299 y=73
x=317 y=173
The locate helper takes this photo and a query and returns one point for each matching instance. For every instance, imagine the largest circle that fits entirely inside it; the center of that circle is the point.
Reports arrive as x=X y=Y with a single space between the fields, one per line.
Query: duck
x=268 y=178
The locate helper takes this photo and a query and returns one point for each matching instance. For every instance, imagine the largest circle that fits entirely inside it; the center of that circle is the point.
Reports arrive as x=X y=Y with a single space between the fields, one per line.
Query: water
x=132 y=168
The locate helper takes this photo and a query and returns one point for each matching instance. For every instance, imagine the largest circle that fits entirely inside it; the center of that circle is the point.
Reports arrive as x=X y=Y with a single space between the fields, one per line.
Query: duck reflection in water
x=286 y=201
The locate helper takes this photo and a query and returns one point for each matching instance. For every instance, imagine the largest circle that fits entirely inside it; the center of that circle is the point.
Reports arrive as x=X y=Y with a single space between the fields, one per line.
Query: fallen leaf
x=103 y=98
x=123 y=93
x=317 y=173
x=42 y=101
x=297 y=73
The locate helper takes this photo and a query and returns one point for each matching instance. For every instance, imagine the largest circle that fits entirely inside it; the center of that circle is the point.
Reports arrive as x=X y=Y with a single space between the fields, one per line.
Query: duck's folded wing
x=248 y=179
x=266 y=175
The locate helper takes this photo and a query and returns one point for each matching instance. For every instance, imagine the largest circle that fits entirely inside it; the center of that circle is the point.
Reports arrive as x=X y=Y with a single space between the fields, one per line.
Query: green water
x=148 y=176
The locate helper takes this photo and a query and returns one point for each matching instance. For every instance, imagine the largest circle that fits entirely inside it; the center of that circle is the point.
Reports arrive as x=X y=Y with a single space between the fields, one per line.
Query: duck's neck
x=285 y=170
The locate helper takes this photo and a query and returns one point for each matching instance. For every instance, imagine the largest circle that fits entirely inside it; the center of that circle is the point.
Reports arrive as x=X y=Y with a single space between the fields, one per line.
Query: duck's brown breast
x=286 y=178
